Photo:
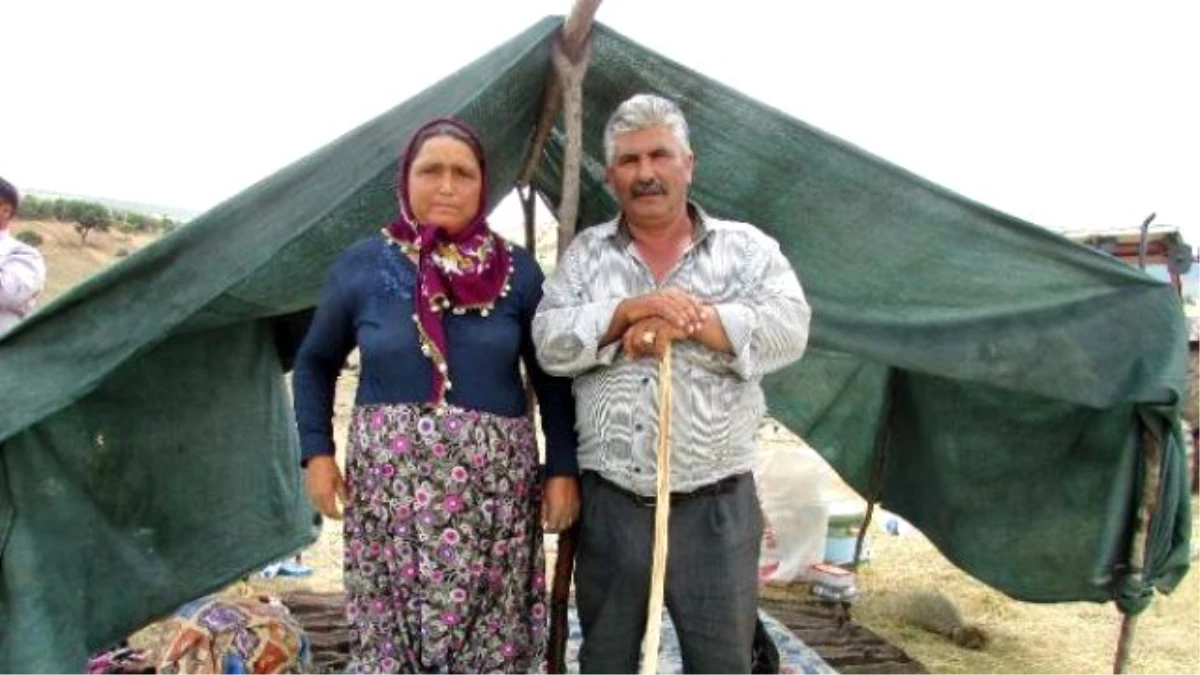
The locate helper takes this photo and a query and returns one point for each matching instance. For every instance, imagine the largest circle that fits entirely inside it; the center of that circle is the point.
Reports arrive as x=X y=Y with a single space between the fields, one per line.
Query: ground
x=1070 y=637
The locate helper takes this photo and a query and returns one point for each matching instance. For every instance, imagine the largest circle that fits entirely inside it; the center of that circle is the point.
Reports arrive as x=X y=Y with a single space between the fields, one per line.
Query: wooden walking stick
x=662 y=516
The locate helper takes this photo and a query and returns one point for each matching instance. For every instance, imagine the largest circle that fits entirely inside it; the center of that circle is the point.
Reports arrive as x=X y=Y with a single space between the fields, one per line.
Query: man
x=22 y=270
x=725 y=297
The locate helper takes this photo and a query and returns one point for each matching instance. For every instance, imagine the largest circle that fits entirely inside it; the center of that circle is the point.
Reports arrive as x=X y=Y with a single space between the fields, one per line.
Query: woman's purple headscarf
x=460 y=272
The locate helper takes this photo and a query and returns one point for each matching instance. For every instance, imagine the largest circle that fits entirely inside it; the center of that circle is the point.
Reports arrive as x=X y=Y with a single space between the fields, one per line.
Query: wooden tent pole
x=879 y=461
x=529 y=210
x=571 y=75
x=1144 y=233
x=1140 y=547
x=1147 y=503
x=574 y=36
x=573 y=44
x=872 y=500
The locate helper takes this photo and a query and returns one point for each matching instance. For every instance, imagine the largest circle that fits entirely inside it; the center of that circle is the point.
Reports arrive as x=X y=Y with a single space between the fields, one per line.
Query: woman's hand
x=323 y=479
x=560 y=503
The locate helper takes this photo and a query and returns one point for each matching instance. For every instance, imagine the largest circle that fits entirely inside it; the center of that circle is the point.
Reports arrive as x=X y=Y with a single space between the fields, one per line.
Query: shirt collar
x=700 y=228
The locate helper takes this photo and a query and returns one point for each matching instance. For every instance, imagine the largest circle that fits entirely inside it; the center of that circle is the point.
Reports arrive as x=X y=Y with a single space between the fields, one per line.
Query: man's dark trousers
x=712 y=576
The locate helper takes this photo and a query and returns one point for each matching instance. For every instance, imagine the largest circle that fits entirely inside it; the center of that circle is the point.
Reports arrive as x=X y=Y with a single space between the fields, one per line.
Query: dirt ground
x=1024 y=637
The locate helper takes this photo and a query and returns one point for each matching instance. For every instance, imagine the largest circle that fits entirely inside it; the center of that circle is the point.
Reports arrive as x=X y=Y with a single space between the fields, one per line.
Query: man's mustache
x=644 y=188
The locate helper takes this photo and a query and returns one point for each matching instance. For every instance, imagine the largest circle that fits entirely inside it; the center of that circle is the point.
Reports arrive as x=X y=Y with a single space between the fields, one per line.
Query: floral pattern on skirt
x=444 y=564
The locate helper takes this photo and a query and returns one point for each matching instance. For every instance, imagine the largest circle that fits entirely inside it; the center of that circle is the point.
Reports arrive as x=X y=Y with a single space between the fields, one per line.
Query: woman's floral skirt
x=444 y=565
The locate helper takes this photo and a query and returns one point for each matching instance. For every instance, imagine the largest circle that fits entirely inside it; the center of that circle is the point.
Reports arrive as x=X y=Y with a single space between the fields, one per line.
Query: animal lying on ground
x=936 y=613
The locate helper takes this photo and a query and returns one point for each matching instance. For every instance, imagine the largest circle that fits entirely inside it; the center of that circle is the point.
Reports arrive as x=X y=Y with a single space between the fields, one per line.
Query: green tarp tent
x=148 y=451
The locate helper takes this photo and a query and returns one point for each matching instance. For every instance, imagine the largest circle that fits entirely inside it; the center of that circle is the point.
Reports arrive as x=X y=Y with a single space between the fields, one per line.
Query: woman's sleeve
x=555 y=400
x=329 y=341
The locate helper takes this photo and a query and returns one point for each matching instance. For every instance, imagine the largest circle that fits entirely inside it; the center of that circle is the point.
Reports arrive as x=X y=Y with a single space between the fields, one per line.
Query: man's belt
x=723 y=486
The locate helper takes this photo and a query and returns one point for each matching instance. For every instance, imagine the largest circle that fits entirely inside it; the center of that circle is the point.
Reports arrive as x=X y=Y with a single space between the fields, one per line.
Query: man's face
x=6 y=214
x=650 y=172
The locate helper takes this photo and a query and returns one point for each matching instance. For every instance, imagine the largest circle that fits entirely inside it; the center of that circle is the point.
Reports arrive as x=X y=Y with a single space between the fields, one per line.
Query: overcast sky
x=1070 y=115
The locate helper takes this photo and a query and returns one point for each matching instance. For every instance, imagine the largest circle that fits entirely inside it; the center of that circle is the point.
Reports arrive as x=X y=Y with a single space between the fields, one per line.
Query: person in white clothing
x=22 y=269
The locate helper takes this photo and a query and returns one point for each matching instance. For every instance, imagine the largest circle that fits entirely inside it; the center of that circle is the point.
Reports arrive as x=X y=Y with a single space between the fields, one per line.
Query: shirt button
x=637 y=427
x=645 y=380
x=637 y=469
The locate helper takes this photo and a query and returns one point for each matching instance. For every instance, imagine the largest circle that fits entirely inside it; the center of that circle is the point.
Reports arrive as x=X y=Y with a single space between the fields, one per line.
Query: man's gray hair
x=643 y=111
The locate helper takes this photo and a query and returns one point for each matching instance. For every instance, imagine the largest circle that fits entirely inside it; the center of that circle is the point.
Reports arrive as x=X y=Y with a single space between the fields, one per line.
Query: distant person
x=22 y=270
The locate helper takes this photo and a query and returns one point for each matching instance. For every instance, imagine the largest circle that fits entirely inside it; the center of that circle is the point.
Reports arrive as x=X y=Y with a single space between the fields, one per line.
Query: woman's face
x=444 y=182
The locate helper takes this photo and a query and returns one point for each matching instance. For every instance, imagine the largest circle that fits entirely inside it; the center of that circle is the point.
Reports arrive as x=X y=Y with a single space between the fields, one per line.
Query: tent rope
x=662 y=516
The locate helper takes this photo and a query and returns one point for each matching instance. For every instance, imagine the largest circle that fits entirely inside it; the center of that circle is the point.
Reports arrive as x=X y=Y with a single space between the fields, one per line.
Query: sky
x=1067 y=114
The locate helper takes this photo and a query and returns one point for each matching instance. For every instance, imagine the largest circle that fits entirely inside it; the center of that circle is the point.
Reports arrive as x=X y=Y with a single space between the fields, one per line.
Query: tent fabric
x=1003 y=377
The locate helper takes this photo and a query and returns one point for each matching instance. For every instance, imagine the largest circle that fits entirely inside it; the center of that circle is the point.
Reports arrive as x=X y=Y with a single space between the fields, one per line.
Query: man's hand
x=681 y=310
x=560 y=503
x=678 y=308
x=323 y=479
x=649 y=337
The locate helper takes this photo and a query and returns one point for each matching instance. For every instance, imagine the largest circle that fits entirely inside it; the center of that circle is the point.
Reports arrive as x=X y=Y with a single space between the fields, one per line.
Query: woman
x=444 y=567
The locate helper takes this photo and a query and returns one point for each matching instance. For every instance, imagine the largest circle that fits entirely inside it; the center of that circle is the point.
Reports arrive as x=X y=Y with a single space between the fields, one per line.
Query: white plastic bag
x=791 y=479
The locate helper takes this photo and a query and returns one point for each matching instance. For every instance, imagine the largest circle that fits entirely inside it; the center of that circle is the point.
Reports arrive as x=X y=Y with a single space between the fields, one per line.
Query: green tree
x=88 y=217
x=35 y=208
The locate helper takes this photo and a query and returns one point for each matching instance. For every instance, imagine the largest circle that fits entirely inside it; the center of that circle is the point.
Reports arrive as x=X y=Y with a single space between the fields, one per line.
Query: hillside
x=172 y=212
x=68 y=261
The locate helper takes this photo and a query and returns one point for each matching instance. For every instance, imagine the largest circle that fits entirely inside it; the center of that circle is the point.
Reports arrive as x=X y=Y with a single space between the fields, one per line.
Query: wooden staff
x=662 y=516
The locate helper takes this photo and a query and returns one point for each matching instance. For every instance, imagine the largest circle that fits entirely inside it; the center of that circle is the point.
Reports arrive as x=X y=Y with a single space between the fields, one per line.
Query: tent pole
x=1125 y=643
x=1148 y=503
x=570 y=73
x=1145 y=231
x=573 y=46
x=879 y=461
x=529 y=207
x=1141 y=533
x=576 y=30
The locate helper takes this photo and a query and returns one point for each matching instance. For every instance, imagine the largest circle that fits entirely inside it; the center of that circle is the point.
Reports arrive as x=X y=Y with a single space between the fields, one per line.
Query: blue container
x=839 y=549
